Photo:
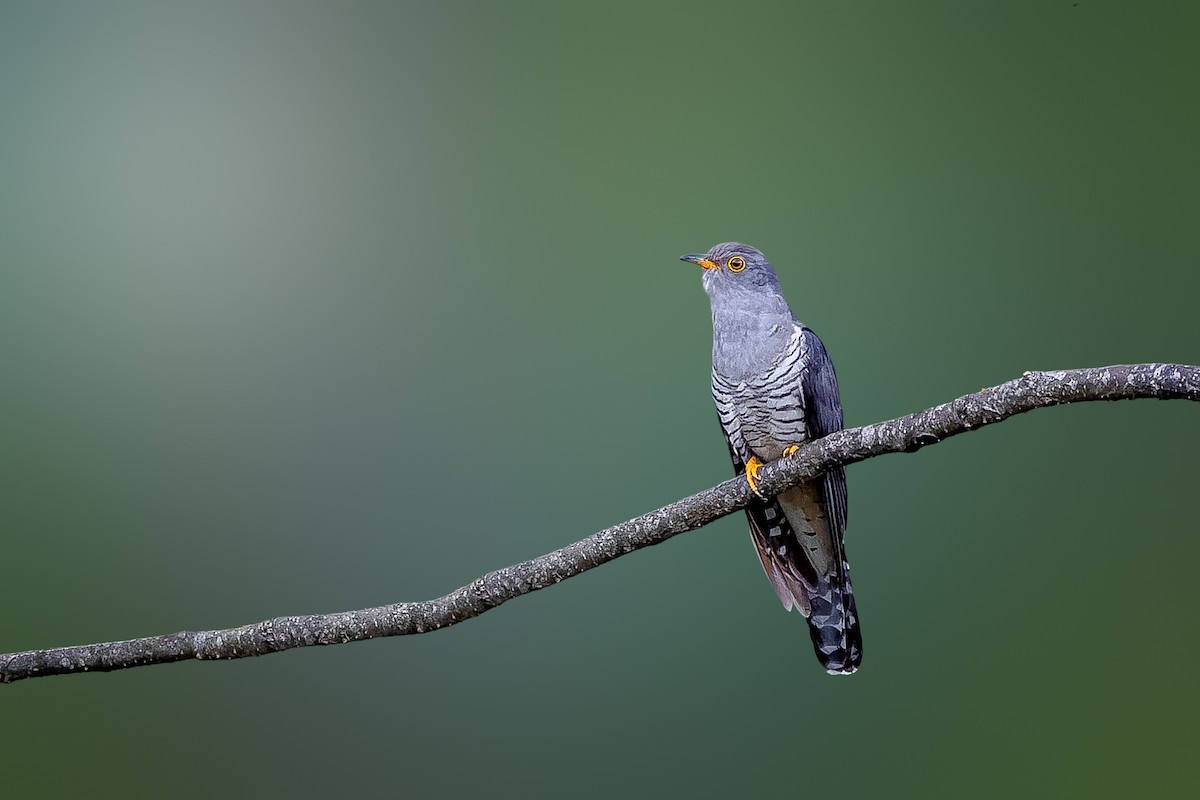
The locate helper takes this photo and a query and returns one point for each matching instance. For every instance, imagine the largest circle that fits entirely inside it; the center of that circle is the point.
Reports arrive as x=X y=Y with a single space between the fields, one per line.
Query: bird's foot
x=790 y=450
x=752 y=468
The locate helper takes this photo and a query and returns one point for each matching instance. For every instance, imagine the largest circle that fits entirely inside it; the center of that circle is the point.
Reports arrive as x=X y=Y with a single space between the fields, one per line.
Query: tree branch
x=906 y=434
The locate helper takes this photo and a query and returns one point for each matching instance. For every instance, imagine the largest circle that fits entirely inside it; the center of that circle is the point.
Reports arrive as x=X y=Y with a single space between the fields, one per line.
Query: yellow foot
x=790 y=450
x=752 y=468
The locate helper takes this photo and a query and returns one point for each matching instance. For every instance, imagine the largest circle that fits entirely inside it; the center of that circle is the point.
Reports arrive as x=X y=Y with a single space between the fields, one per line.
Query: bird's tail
x=809 y=572
x=833 y=625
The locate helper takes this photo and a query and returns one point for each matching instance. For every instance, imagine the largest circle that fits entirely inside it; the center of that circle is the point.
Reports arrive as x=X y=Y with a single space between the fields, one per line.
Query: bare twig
x=906 y=434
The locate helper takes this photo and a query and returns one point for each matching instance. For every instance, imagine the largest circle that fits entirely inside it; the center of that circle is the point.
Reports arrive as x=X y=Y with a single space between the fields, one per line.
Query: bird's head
x=735 y=268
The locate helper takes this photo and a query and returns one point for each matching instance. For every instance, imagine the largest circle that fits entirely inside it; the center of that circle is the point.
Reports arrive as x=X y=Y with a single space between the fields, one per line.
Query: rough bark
x=906 y=434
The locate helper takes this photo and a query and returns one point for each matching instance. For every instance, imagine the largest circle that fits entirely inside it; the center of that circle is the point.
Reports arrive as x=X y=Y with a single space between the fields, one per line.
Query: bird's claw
x=752 y=468
x=790 y=450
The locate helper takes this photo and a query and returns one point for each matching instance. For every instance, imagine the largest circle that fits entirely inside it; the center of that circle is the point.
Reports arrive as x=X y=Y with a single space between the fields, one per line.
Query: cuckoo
x=775 y=389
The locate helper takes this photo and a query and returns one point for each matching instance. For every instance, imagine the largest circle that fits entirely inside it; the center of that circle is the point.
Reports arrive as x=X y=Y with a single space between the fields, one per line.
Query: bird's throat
x=748 y=343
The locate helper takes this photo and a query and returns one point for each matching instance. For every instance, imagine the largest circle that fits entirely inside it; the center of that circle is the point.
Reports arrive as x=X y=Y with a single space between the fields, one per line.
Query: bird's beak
x=703 y=261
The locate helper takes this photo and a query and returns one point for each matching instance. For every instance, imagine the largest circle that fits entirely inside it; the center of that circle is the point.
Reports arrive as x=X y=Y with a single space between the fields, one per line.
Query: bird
x=775 y=389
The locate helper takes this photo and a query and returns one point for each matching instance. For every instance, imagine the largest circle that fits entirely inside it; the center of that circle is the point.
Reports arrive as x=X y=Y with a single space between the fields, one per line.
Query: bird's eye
x=737 y=264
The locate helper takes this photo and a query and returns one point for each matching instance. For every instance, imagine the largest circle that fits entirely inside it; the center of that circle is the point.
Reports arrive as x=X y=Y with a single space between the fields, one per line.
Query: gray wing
x=823 y=416
x=833 y=621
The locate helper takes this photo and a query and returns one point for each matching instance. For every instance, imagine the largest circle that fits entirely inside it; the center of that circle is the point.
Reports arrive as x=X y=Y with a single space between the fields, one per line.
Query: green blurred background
x=311 y=307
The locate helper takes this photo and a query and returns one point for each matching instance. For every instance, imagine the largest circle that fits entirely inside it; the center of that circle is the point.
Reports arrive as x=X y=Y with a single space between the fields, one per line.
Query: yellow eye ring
x=737 y=264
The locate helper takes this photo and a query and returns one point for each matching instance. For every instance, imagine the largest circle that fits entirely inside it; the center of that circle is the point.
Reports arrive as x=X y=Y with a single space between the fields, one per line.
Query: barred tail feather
x=833 y=627
x=809 y=573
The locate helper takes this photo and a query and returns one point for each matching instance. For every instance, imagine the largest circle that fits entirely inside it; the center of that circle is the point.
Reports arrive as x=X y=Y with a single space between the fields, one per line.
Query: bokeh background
x=311 y=306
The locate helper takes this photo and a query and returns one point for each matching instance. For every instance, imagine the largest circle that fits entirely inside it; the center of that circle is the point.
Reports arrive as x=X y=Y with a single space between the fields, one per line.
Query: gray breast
x=763 y=413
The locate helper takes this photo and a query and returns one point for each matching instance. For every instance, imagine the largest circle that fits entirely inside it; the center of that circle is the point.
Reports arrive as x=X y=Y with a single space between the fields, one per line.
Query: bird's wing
x=821 y=507
x=823 y=416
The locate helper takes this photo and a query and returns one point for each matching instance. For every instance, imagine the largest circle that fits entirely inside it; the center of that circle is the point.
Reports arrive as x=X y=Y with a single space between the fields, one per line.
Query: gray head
x=749 y=313
x=735 y=270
